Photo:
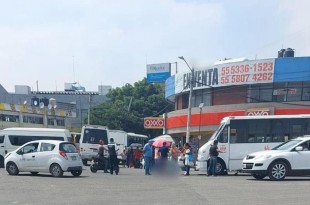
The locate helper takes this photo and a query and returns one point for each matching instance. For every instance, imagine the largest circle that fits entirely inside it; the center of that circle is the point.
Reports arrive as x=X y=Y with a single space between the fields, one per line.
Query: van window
x=18 y=140
x=92 y=136
x=1 y=139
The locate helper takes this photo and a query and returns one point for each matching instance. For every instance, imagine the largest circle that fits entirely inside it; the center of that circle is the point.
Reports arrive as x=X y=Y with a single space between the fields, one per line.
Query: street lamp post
x=200 y=107
x=189 y=100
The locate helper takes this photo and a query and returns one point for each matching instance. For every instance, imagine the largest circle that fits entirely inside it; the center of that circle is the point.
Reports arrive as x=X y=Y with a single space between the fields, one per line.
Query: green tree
x=127 y=106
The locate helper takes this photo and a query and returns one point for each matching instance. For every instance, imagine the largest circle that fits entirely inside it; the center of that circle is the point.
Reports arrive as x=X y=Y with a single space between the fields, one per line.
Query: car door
x=301 y=159
x=28 y=160
x=46 y=153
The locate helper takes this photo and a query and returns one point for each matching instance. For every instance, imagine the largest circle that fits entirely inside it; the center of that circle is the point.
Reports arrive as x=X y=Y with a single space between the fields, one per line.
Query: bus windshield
x=217 y=131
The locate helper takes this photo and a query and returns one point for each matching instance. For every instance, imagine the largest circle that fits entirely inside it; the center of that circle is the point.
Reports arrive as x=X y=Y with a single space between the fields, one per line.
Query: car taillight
x=62 y=153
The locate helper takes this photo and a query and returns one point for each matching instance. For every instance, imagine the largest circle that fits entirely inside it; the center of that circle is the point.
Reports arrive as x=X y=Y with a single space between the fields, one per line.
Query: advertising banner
x=158 y=73
x=237 y=73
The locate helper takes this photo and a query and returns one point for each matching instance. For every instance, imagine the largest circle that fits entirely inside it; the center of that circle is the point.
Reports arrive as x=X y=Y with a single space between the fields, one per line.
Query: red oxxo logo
x=154 y=122
x=258 y=112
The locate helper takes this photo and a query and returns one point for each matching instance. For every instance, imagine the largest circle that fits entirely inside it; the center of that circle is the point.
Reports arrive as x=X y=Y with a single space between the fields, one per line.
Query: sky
x=101 y=42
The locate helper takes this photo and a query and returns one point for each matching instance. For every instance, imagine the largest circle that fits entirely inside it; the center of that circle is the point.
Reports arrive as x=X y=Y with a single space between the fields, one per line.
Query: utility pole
x=189 y=111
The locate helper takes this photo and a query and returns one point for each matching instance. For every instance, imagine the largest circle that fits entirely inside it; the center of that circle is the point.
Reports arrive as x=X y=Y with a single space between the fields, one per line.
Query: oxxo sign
x=258 y=112
x=154 y=123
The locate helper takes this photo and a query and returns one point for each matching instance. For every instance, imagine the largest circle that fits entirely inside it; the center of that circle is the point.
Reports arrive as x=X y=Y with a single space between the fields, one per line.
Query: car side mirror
x=299 y=148
x=20 y=152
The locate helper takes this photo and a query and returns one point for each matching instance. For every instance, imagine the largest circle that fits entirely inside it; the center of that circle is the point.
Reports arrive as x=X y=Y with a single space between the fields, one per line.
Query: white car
x=291 y=158
x=50 y=156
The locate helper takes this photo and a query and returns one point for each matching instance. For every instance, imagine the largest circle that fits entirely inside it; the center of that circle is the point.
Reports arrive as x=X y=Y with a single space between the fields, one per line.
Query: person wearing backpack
x=112 y=147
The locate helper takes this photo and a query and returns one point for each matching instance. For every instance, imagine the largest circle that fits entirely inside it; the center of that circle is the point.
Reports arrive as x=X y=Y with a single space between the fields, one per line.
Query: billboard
x=158 y=73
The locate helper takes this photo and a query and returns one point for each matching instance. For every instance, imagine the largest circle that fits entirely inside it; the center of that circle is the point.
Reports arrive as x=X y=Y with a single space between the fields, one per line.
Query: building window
x=32 y=119
x=9 y=118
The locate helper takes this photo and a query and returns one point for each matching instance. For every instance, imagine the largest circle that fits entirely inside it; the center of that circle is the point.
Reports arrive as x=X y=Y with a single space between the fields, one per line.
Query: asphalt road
x=131 y=186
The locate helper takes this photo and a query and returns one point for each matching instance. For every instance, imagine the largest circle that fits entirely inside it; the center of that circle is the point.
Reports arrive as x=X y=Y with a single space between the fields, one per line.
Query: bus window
x=223 y=136
x=296 y=127
x=238 y=131
x=258 y=131
x=278 y=130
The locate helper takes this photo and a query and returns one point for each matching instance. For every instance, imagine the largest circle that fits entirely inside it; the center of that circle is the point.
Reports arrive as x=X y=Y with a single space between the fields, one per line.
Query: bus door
x=223 y=144
x=237 y=144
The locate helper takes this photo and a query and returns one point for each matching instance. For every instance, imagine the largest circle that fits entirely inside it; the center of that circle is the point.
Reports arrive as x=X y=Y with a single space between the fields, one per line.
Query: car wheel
x=34 y=173
x=12 y=169
x=277 y=171
x=259 y=176
x=93 y=168
x=76 y=173
x=56 y=170
x=84 y=162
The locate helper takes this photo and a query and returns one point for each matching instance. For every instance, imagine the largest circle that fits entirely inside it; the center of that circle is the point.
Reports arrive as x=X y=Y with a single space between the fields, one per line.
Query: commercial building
x=275 y=86
x=57 y=109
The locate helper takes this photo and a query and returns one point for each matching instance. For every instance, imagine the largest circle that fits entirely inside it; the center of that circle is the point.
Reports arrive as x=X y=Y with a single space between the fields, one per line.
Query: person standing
x=163 y=153
x=174 y=151
x=147 y=154
x=112 y=147
x=102 y=152
x=213 y=152
x=187 y=153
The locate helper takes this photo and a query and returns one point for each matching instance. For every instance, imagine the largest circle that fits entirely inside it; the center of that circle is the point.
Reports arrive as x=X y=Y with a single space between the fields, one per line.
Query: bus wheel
x=220 y=167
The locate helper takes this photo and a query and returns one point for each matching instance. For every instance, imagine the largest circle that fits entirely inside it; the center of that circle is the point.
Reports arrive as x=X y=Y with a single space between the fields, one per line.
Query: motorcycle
x=98 y=164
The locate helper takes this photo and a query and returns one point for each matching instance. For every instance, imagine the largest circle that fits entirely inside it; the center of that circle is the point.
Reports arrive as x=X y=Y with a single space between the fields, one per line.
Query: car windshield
x=287 y=145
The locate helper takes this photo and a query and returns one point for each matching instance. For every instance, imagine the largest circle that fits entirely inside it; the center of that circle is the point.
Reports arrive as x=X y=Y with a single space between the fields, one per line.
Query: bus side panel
x=239 y=150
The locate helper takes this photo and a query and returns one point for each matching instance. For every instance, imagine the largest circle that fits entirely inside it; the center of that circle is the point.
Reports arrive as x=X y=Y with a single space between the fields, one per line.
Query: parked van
x=89 y=141
x=12 y=138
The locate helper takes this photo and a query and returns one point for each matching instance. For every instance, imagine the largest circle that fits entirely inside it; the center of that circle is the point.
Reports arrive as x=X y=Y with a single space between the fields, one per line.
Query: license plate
x=94 y=150
x=73 y=157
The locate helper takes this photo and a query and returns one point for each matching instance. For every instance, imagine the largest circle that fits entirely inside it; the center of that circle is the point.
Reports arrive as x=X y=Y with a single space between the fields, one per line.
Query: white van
x=89 y=141
x=12 y=138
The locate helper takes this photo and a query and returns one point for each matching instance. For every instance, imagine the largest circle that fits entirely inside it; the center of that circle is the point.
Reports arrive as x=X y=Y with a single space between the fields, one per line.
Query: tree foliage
x=127 y=106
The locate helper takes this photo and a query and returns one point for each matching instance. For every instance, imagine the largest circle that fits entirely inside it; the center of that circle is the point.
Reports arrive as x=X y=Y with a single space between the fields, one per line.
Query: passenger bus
x=123 y=138
x=240 y=135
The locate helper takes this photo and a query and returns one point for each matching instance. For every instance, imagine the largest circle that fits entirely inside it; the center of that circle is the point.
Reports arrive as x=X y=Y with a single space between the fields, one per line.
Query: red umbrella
x=159 y=143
